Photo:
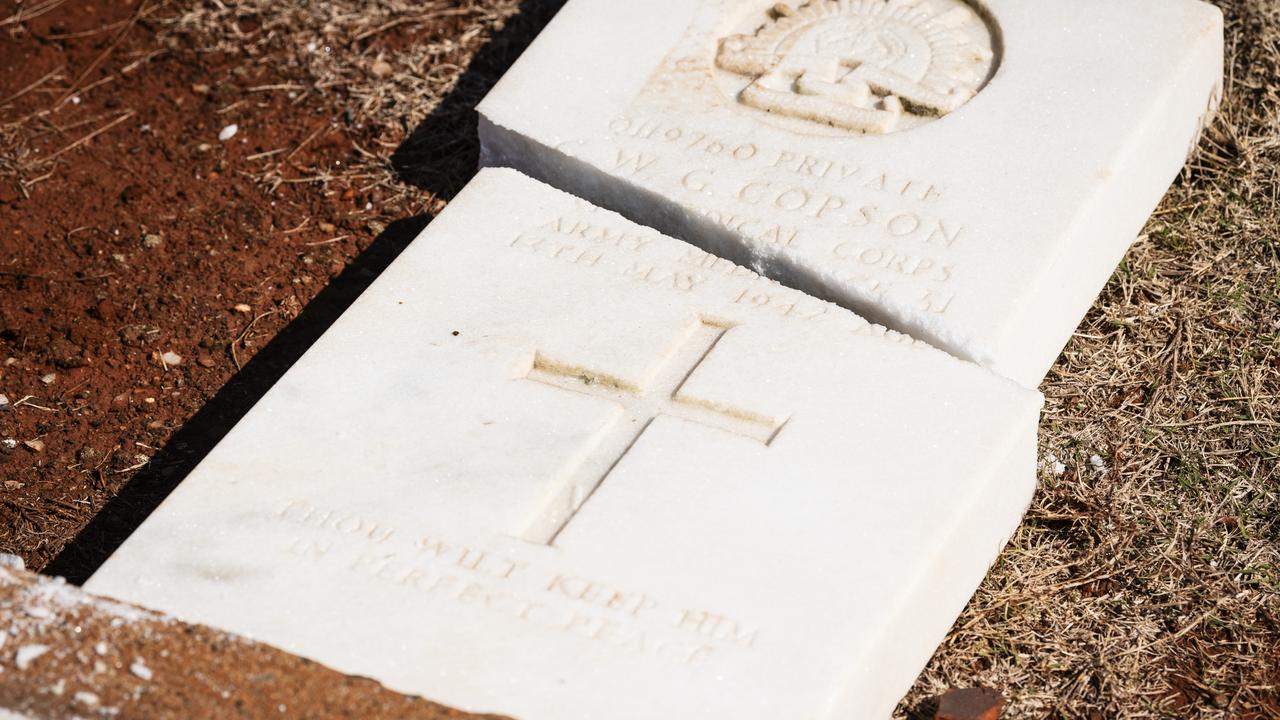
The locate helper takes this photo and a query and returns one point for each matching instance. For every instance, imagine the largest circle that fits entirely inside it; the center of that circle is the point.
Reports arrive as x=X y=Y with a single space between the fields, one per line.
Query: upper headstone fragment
x=968 y=173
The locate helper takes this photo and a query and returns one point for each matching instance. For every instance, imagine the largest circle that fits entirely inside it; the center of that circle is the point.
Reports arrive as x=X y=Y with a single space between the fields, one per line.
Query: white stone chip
x=40 y=613
x=970 y=177
x=27 y=654
x=582 y=470
x=141 y=670
x=228 y=132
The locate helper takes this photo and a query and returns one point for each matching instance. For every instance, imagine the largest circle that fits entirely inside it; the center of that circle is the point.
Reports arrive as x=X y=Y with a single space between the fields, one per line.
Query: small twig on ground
x=234 y=356
x=37 y=11
x=115 y=42
x=123 y=116
x=42 y=80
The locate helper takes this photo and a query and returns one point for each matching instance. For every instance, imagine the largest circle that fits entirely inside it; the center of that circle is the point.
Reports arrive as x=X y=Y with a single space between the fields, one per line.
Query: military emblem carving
x=866 y=66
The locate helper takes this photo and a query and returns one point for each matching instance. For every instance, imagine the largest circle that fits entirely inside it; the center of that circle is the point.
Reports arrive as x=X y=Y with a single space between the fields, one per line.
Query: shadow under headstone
x=443 y=152
x=440 y=156
x=190 y=444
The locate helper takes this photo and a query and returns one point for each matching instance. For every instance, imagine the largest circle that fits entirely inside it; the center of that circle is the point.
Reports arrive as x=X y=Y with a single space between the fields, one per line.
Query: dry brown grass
x=1144 y=584
x=402 y=77
x=1152 y=588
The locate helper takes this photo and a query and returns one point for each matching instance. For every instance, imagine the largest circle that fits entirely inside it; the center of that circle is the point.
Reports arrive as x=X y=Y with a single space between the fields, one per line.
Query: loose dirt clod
x=970 y=704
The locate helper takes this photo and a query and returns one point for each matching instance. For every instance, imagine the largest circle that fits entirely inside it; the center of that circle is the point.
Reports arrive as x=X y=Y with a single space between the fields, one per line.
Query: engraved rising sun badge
x=867 y=66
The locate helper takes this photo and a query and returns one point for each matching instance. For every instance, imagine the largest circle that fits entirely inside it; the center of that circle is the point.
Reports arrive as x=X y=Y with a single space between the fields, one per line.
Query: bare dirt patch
x=70 y=655
x=1145 y=583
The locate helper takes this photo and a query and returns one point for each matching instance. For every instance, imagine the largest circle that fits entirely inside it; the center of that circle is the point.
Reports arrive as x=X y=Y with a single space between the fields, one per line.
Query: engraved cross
x=637 y=407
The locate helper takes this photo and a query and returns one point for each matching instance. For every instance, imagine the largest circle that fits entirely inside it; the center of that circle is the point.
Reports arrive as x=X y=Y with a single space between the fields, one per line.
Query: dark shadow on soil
x=441 y=154
x=189 y=445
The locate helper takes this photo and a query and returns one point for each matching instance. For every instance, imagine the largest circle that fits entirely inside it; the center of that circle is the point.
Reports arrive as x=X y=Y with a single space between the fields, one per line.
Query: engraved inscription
x=595 y=246
x=885 y=232
x=472 y=576
x=663 y=394
x=866 y=66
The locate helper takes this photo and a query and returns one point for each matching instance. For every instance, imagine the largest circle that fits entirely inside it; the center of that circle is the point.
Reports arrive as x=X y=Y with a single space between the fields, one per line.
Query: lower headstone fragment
x=557 y=466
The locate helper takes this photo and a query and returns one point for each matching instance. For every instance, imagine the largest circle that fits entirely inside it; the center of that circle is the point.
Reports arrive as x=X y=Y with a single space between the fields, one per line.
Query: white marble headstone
x=557 y=466
x=968 y=173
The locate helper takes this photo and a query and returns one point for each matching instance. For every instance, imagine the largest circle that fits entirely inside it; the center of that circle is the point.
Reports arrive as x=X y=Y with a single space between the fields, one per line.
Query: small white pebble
x=171 y=358
x=1059 y=469
x=142 y=671
x=9 y=444
x=228 y=132
x=48 y=379
x=40 y=613
x=87 y=699
x=75 y=99
x=27 y=654
x=4 y=401
x=59 y=687
x=100 y=648
x=1097 y=463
